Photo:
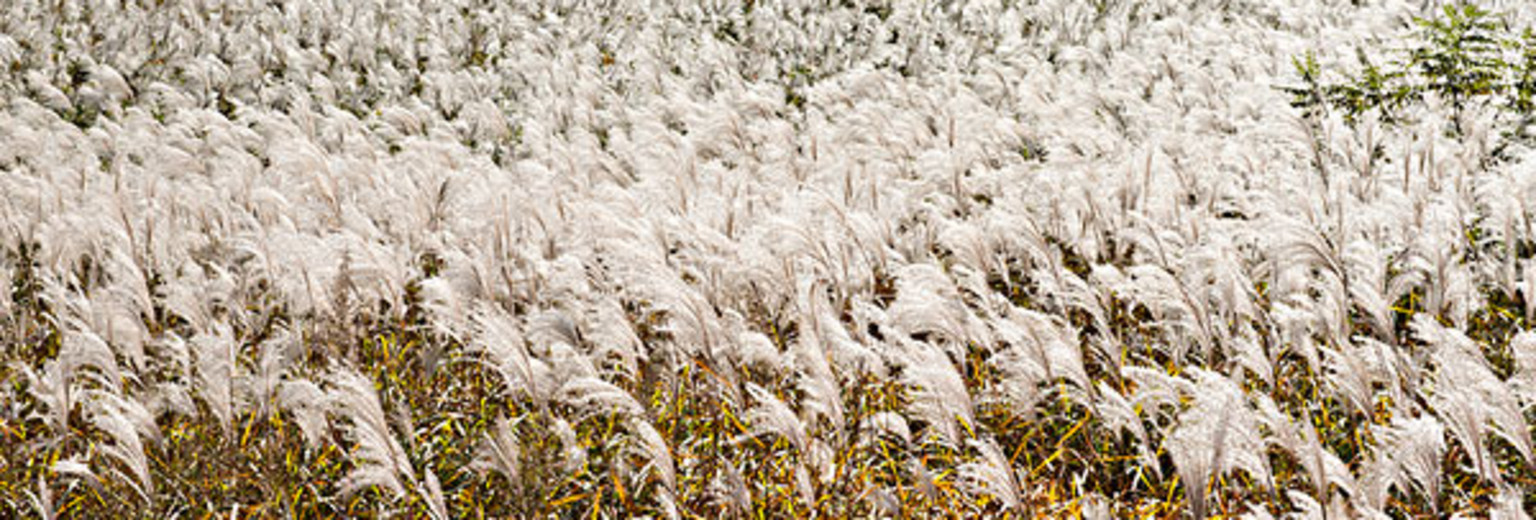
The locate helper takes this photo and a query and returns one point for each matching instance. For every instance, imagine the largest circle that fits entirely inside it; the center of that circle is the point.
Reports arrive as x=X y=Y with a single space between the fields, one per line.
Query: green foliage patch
x=1468 y=58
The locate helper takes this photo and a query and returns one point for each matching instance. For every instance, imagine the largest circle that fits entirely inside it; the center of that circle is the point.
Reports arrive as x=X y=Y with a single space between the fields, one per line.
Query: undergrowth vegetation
x=767 y=259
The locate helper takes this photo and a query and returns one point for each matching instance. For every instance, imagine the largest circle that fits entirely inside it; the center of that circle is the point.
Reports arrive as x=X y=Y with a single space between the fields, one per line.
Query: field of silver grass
x=751 y=258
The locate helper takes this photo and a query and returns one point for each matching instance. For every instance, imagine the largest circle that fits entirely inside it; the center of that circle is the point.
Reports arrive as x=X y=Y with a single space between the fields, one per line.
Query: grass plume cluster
x=753 y=258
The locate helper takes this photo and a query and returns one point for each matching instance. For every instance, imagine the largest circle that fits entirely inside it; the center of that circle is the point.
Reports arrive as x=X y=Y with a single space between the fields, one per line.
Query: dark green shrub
x=1467 y=57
